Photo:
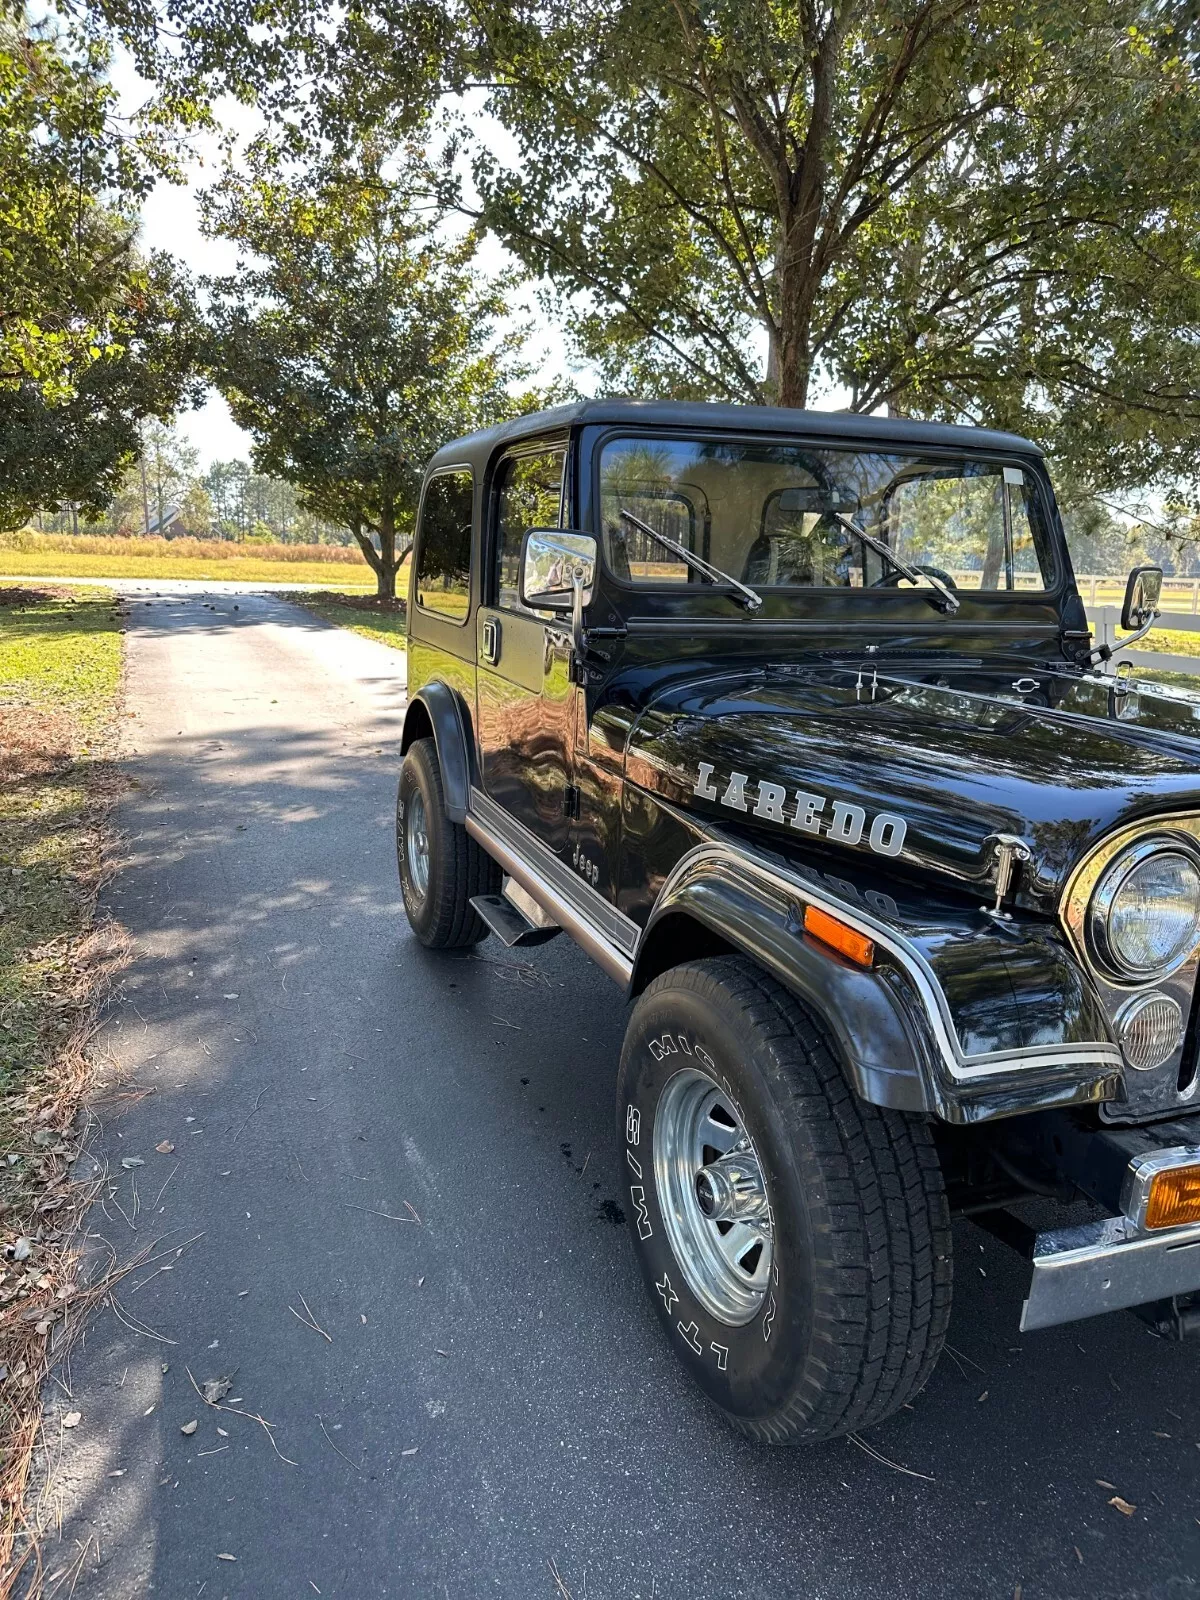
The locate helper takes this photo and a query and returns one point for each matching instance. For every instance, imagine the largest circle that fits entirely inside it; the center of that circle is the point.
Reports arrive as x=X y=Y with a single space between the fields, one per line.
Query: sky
x=170 y=221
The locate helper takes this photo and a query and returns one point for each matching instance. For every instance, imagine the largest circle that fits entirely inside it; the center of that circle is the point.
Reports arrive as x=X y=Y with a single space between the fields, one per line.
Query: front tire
x=804 y=1279
x=441 y=866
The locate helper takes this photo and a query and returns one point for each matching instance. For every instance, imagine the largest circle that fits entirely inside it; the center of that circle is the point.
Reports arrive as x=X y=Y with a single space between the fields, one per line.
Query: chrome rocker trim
x=608 y=935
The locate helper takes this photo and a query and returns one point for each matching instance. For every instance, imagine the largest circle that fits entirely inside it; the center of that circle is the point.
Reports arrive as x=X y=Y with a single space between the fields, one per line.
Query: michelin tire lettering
x=843 y=823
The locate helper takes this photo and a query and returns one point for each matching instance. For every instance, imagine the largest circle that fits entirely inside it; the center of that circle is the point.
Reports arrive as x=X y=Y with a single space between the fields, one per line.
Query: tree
x=169 y=466
x=951 y=207
x=966 y=209
x=77 y=450
x=93 y=337
x=225 y=484
x=356 y=338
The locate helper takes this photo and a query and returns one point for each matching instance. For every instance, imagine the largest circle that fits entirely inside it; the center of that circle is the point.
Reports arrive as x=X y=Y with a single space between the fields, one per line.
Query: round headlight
x=1145 y=913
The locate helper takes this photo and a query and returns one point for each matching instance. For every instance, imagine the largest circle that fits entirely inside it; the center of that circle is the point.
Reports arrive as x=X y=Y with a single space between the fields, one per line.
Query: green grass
x=60 y=664
x=237 y=569
x=63 y=652
x=1171 y=642
x=388 y=627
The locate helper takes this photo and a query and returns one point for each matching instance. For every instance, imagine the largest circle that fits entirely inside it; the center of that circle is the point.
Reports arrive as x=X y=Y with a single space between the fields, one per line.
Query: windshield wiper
x=948 y=601
x=745 y=594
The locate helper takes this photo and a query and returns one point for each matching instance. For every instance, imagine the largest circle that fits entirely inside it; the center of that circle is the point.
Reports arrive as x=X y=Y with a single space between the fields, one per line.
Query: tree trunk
x=371 y=557
x=794 y=340
x=388 y=562
x=145 y=497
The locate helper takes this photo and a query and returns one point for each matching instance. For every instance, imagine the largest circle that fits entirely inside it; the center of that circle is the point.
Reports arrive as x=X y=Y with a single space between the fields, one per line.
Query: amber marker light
x=1174 y=1198
x=854 y=946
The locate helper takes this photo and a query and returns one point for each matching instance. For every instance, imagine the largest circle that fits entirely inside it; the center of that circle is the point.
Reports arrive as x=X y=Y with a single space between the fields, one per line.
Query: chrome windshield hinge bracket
x=1008 y=850
x=874 y=684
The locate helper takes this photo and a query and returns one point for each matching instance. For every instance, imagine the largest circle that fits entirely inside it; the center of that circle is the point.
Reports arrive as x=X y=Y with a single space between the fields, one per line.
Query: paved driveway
x=416 y=1154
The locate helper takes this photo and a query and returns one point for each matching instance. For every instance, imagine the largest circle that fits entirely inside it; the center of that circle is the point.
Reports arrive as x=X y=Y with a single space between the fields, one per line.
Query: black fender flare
x=437 y=711
x=883 y=1053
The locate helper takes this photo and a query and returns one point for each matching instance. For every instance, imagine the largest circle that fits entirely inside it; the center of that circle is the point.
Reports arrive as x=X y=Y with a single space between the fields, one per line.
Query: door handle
x=491 y=641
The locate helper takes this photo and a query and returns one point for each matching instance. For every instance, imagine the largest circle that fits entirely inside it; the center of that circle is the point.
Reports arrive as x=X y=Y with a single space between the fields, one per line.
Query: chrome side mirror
x=556 y=565
x=1142 y=595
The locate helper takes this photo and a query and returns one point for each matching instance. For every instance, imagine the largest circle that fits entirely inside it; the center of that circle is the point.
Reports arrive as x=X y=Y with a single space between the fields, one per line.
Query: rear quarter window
x=444 y=546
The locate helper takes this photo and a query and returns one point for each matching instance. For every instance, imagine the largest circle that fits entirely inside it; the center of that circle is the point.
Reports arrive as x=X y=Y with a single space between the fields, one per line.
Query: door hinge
x=571 y=801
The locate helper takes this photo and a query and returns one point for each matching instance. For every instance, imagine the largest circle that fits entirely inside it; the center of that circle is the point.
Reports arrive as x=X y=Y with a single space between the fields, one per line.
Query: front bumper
x=1117 y=1261
x=1108 y=1265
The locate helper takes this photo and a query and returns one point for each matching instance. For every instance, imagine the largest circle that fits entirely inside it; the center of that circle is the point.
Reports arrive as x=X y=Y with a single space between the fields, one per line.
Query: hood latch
x=1009 y=849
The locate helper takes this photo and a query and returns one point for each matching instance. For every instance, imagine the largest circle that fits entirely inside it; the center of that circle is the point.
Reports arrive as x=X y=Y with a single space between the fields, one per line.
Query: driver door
x=525 y=700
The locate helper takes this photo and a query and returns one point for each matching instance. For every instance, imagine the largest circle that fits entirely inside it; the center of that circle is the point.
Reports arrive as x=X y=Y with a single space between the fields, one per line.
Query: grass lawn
x=236 y=569
x=365 y=616
x=60 y=666
x=1171 y=642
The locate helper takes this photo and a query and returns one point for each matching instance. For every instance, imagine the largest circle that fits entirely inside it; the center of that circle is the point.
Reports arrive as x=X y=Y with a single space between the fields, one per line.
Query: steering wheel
x=897 y=577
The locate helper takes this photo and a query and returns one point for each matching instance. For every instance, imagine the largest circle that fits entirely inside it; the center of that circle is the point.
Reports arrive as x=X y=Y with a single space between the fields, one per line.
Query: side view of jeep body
x=792 y=722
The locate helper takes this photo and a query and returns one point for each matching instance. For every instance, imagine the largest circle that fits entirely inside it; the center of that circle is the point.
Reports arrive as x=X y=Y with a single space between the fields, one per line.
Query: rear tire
x=837 y=1316
x=441 y=867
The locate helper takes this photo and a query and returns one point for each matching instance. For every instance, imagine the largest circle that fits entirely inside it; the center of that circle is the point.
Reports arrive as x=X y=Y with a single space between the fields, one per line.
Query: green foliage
x=355 y=340
x=66 y=254
x=78 y=449
x=973 y=211
x=93 y=338
x=242 y=499
x=965 y=209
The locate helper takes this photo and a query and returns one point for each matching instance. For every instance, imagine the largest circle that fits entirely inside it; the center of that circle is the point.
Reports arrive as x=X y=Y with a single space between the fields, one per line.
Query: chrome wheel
x=416 y=843
x=713 y=1197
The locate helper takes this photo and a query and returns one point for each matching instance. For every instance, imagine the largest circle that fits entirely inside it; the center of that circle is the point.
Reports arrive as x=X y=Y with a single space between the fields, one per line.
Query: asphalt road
x=417 y=1153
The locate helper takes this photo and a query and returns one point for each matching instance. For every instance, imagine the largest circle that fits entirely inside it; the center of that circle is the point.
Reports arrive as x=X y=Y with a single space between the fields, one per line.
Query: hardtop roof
x=679 y=414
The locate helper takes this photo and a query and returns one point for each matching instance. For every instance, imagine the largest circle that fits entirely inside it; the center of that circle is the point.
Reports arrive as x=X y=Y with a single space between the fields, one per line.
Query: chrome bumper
x=1108 y=1266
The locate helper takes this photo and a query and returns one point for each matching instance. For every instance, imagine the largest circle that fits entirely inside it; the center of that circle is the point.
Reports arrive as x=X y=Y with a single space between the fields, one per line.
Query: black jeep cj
x=792 y=721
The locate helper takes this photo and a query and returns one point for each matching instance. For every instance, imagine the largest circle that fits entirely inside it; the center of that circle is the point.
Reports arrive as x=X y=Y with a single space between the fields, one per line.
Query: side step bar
x=515 y=917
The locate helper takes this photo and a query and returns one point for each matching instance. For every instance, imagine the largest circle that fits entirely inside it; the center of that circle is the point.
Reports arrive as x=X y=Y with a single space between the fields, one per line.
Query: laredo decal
x=845 y=823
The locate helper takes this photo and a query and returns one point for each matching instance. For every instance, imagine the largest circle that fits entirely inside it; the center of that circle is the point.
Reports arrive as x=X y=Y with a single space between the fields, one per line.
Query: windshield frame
x=793 y=598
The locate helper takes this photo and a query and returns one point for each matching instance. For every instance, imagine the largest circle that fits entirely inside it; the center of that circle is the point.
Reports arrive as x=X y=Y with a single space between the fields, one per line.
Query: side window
x=444 y=546
x=529 y=495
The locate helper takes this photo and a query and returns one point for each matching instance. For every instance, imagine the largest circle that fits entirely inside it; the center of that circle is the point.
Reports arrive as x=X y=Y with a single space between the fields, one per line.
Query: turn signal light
x=854 y=946
x=1174 y=1198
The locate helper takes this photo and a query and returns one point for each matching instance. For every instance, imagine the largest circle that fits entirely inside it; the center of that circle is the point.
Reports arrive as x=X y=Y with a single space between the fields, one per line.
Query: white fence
x=1178 y=594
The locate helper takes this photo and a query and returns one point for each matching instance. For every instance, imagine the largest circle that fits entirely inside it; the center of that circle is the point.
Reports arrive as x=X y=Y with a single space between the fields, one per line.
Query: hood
x=946 y=758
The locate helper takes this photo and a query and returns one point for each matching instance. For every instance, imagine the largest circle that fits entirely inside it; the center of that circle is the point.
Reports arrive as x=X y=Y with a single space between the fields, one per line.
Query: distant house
x=171 y=526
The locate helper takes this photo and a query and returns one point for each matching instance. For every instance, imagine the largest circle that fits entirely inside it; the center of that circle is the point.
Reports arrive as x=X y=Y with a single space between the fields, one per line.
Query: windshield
x=780 y=515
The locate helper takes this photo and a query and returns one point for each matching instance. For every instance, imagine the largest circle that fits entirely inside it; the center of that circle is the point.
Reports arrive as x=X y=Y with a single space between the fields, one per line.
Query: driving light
x=1144 y=918
x=1149 y=1030
x=1174 y=1198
